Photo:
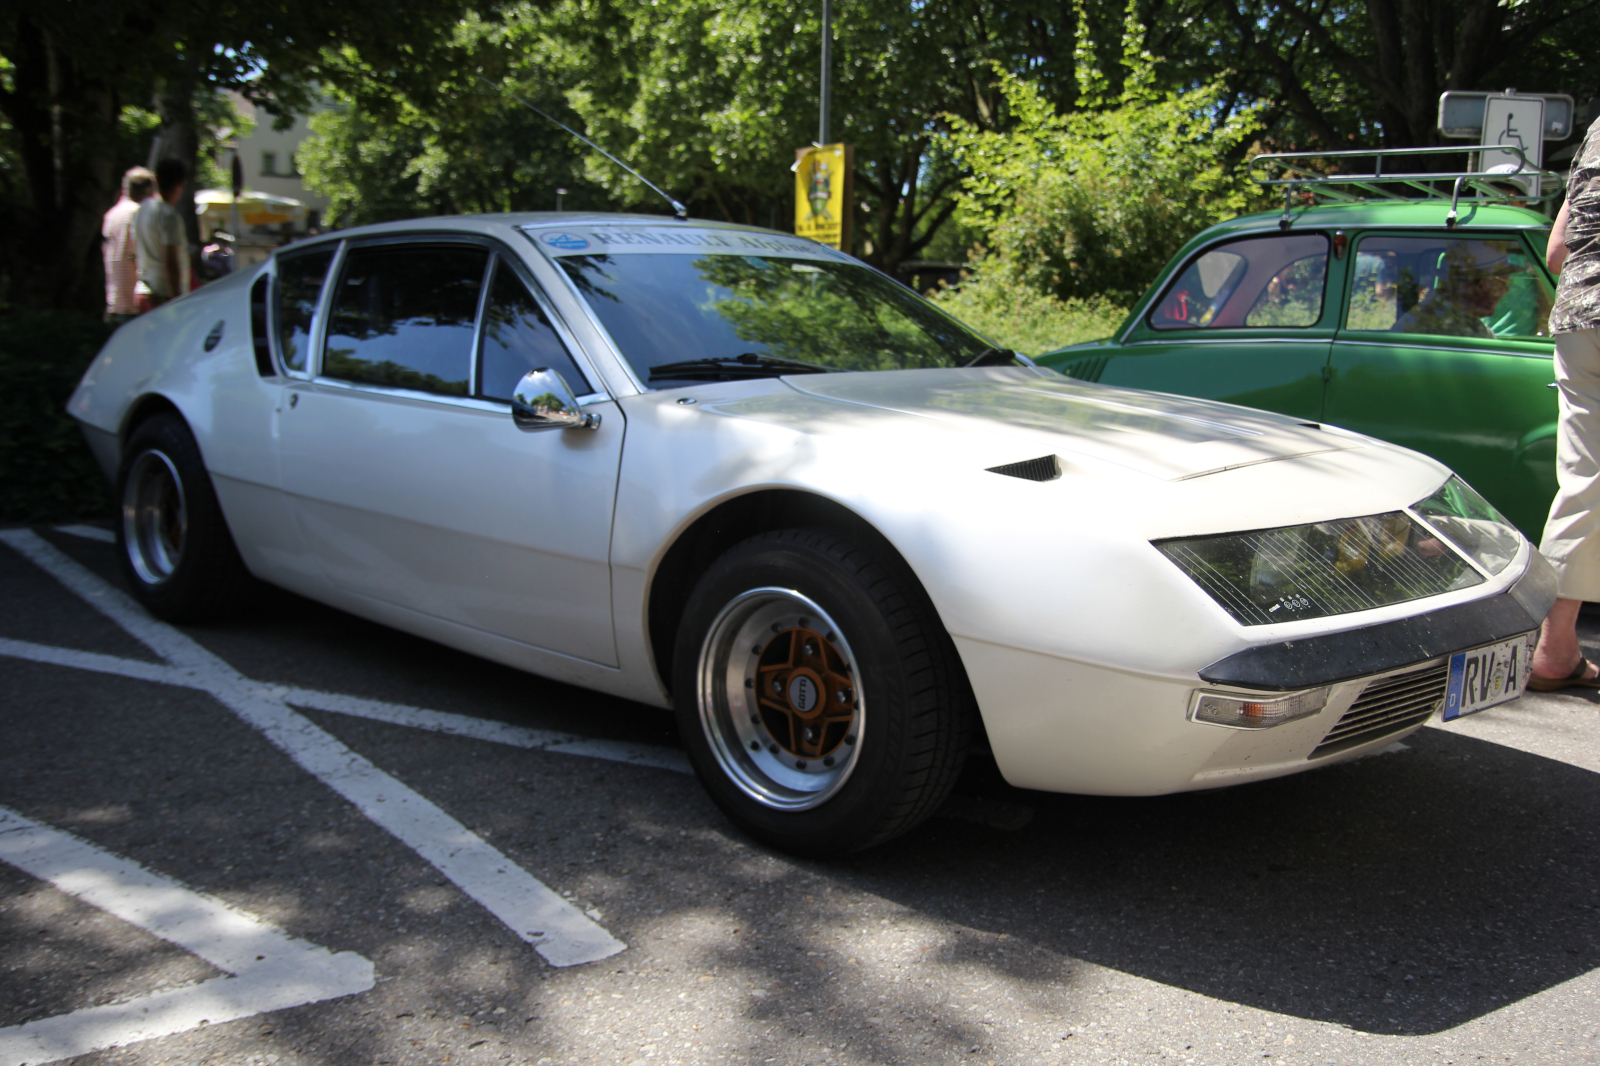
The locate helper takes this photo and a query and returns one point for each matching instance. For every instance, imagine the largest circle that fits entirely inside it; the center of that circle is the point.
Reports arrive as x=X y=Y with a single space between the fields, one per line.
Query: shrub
x=1095 y=202
x=46 y=471
x=1017 y=316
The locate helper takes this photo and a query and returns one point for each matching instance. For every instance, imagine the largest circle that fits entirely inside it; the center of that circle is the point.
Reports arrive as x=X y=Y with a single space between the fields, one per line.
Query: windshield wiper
x=748 y=365
x=992 y=357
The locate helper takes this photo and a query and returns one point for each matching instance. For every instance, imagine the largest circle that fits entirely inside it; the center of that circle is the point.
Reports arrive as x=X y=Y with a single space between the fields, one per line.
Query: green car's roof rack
x=1334 y=177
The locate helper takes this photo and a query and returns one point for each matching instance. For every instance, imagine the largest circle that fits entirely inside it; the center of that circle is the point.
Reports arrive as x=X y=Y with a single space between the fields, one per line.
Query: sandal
x=1576 y=679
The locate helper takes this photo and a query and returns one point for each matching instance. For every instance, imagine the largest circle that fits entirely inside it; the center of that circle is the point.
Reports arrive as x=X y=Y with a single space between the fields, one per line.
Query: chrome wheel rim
x=155 y=518
x=780 y=699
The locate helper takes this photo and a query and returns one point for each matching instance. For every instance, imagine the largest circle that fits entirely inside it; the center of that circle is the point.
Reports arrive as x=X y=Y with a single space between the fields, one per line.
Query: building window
x=269 y=164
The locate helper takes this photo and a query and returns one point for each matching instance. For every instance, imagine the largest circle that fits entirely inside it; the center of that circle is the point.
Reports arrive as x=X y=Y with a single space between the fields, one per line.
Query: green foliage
x=217 y=121
x=46 y=471
x=1096 y=201
x=706 y=99
x=465 y=146
x=1016 y=316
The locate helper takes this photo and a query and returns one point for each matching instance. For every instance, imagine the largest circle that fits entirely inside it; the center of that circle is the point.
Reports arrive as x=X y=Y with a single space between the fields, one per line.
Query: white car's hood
x=1169 y=437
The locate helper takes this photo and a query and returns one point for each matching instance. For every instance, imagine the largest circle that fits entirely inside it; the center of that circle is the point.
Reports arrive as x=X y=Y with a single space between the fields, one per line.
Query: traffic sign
x=1461 y=114
x=1515 y=122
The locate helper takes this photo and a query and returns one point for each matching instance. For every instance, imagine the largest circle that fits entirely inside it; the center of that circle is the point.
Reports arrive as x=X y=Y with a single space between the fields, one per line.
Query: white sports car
x=737 y=473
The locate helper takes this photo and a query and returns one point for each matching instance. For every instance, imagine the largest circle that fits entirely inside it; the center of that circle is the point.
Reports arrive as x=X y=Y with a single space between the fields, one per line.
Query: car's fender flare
x=727 y=521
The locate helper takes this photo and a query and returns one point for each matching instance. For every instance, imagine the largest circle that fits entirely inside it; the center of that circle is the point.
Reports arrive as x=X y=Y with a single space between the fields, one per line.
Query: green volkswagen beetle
x=1374 y=315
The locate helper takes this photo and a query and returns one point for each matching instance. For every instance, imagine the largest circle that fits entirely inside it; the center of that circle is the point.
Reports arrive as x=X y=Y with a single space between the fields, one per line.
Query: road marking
x=558 y=931
x=270 y=969
x=459 y=725
x=486 y=729
x=104 y=536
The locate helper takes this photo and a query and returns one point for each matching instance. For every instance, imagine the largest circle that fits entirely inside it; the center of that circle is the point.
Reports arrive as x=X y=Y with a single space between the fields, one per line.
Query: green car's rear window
x=1255 y=283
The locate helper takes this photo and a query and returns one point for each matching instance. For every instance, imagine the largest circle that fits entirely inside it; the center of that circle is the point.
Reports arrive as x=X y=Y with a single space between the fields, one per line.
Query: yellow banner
x=823 y=188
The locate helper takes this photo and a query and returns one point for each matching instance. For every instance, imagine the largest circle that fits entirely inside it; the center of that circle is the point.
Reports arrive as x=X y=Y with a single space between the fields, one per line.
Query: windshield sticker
x=567 y=242
x=603 y=240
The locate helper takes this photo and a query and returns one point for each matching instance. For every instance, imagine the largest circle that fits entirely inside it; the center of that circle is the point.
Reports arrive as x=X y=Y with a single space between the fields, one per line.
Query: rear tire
x=177 y=555
x=818 y=695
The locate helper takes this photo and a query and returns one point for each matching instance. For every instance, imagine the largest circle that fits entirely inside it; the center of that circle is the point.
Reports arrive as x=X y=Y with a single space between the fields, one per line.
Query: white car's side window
x=518 y=337
x=300 y=280
x=404 y=317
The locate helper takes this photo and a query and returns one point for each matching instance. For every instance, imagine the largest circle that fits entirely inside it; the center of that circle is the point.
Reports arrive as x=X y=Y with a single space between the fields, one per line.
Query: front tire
x=177 y=555
x=820 y=700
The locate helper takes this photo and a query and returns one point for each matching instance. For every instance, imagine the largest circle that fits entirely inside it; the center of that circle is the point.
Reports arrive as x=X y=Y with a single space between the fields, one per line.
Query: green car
x=1373 y=315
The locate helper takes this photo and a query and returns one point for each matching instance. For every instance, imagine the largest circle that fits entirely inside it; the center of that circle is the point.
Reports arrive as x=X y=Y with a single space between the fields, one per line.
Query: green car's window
x=1448 y=287
x=1256 y=283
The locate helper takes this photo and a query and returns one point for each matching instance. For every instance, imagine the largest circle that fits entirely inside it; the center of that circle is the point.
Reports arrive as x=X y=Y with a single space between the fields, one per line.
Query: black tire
x=177 y=555
x=873 y=745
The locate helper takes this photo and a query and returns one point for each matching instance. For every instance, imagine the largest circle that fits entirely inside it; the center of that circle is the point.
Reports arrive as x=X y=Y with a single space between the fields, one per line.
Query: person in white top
x=163 y=245
x=119 y=248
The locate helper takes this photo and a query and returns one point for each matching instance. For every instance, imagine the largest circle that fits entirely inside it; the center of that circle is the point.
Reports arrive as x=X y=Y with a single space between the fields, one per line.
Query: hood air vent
x=1044 y=468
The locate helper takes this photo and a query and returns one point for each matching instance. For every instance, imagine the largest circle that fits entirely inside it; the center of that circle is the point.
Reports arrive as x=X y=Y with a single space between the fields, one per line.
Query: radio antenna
x=678 y=210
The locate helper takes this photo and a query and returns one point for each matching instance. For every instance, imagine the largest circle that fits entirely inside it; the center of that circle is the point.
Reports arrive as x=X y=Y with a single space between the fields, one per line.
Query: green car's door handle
x=1553 y=385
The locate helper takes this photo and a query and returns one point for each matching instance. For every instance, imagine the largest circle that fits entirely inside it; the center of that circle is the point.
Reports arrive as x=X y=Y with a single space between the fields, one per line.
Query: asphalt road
x=360 y=827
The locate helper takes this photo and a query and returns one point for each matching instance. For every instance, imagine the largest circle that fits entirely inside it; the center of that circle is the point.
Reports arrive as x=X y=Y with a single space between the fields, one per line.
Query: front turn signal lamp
x=1239 y=712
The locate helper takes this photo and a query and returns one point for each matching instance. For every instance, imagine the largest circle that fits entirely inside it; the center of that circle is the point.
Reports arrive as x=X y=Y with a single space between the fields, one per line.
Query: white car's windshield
x=686 y=317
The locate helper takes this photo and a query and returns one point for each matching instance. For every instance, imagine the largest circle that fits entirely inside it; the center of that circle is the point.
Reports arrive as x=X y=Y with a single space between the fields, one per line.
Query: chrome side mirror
x=542 y=400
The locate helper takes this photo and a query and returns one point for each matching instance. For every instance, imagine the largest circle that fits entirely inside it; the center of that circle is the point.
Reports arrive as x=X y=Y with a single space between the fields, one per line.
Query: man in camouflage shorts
x=1572 y=533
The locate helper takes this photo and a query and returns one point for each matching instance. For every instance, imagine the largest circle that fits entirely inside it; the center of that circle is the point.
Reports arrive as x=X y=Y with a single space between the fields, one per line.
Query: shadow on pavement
x=1404 y=893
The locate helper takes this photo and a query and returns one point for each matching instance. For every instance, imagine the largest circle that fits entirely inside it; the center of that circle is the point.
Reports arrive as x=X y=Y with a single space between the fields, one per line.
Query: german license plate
x=1483 y=677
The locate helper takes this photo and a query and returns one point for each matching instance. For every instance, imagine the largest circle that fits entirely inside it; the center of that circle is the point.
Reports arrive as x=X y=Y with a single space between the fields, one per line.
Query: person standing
x=163 y=244
x=1572 y=535
x=119 y=248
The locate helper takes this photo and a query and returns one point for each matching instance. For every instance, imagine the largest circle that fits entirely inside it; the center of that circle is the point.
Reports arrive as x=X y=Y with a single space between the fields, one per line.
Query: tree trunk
x=179 y=138
x=66 y=119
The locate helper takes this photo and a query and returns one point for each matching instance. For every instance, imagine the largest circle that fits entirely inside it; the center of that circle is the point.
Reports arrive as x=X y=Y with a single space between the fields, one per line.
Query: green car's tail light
x=1471 y=523
x=1329 y=568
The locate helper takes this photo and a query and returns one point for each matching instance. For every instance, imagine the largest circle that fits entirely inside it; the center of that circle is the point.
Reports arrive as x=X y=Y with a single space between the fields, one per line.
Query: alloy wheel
x=780 y=699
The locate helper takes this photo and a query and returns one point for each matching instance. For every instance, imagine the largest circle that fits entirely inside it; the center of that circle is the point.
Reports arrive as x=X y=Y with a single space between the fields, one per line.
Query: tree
x=715 y=99
x=1338 y=73
x=67 y=69
x=708 y=100
x=1094 y=202
x=470 y=146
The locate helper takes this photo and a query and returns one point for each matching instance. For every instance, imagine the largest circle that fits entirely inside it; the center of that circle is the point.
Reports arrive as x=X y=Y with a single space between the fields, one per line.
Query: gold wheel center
x=806 y=693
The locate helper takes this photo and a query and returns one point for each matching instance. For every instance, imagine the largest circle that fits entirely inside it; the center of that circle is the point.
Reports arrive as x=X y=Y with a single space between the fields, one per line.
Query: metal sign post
x=236 y=185
x=826 y=101
x=824 y=174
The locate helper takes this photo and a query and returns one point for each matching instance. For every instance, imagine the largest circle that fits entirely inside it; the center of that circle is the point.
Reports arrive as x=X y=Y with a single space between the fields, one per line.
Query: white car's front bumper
x=1065 y=726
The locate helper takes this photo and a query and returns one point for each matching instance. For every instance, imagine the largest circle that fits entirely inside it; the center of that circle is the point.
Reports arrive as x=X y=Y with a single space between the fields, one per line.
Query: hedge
x=46 y=471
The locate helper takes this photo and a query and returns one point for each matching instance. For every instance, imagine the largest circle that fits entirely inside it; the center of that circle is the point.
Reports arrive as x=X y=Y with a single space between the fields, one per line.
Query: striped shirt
x=122 y=258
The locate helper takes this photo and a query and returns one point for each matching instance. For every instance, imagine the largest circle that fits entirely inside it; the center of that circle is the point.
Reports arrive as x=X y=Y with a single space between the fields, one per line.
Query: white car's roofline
x=499 y=223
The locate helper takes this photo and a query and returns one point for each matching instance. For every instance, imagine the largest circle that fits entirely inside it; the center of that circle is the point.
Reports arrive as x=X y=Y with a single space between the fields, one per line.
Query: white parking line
x=270 y=969
x=459 y=725
x=104 y=536
x=558 y=931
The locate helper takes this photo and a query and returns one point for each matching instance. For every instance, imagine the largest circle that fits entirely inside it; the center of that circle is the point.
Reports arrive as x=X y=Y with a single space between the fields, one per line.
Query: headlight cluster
x=1353 y=564
x=1472 y=524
